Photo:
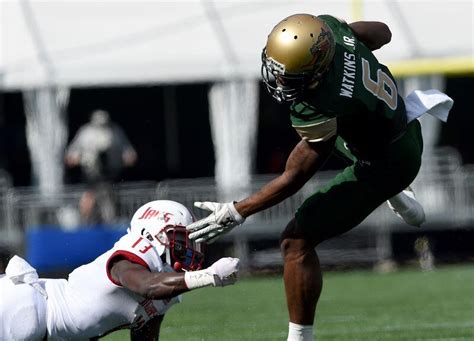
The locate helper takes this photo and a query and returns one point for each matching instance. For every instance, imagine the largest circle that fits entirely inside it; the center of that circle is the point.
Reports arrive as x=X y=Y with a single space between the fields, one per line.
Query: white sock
x=299 y=332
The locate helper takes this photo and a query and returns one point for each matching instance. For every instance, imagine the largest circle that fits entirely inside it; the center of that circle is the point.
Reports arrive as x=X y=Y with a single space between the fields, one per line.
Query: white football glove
x=225 y=271
x=223 y=219
x=221 y=273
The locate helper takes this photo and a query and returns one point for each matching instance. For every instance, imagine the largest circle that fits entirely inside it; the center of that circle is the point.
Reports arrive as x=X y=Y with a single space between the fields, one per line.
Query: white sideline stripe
x=399 y=327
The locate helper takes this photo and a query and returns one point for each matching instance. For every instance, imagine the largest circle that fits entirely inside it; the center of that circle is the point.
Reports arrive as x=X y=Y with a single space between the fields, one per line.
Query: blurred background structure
x=182 y=78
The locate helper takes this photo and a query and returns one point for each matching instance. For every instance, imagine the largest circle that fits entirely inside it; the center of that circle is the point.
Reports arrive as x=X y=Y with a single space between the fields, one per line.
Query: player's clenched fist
x=221 y=273
x=225 y=271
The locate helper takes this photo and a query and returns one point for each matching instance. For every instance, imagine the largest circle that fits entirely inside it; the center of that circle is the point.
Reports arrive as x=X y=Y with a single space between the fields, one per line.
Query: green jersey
x=357 y=99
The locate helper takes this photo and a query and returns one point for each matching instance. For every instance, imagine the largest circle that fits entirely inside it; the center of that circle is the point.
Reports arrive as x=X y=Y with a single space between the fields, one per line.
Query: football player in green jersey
x=340 y=97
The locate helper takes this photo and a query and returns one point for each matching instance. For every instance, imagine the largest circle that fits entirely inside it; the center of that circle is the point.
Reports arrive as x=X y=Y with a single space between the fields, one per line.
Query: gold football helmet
x=299 y=50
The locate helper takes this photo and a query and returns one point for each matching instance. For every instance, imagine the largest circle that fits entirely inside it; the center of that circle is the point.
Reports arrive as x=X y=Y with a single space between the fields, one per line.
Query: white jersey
x=90 y=304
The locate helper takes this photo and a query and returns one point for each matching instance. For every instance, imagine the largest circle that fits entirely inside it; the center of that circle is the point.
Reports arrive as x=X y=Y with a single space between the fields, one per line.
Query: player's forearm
x=271 y=194
x=159 y=286
x=152 y=285
x=373 y=34
x=165 y=285
x=301 y=165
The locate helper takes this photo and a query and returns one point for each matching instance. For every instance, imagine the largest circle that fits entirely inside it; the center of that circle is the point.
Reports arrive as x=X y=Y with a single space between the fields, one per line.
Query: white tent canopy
x=90 y=43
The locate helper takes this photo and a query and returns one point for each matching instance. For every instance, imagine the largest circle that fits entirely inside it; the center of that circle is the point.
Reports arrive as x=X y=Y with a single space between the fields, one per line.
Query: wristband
x=237 y=216
x=198 y=279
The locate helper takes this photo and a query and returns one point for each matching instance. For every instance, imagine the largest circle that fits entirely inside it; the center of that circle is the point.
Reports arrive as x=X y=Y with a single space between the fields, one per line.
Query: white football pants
x=22 y=312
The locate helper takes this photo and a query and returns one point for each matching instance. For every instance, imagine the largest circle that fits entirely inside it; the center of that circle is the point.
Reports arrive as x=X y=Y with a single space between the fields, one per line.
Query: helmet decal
x=151 y=213
x=323 y=44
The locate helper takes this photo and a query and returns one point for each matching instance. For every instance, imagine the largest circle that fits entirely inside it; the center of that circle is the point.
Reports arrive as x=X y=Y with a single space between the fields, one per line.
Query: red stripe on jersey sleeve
x=122 y=254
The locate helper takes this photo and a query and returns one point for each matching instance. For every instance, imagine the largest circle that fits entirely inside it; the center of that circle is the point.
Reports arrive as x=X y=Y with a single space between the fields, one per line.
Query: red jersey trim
x=122 y=254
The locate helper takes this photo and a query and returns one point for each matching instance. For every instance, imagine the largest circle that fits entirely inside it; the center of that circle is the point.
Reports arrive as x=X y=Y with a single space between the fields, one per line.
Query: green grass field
x=356 y=305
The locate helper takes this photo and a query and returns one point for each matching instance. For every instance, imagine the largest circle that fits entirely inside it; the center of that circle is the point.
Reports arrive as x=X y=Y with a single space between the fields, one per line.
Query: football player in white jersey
x=130 y=286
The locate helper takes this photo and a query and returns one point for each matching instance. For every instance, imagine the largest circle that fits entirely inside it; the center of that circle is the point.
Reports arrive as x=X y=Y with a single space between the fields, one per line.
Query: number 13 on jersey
x=145 y=247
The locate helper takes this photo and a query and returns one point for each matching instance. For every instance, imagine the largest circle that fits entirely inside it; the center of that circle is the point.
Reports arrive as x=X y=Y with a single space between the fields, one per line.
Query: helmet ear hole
x=149 y=236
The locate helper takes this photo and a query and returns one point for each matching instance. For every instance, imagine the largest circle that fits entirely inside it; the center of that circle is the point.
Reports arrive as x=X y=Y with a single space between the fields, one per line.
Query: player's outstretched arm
x=374 y=34
x=152 y=285
x=304 y=160
x=164 y=285
x=301 y=165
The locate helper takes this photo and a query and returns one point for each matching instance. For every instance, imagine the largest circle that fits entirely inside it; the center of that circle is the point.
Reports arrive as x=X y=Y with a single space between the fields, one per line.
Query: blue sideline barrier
x=50 y=249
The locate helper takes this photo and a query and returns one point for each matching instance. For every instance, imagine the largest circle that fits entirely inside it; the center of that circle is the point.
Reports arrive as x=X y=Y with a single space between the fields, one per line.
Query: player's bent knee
x=293 y=239
x=294 y=231
x=290 y=231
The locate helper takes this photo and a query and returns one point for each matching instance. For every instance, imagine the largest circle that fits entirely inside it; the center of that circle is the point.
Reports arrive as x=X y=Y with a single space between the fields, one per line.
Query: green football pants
x=358 y=190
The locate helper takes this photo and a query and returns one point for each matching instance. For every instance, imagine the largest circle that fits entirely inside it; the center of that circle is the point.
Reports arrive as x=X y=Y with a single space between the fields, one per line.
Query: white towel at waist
x=432 y=101
x=19 y=271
